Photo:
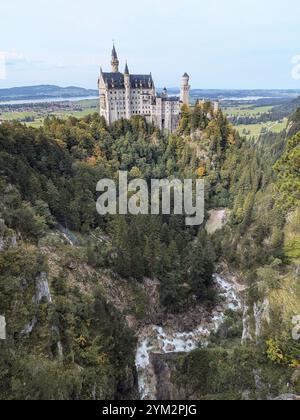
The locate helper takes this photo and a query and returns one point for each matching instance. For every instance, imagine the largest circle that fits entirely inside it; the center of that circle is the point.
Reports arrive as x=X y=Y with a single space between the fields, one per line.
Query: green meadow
x=255 y=130
x=88 y=106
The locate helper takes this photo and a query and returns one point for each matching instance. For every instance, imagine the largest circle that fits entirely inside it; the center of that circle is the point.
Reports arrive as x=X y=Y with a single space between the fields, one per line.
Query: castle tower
x=114 y=61
x=216 y=107
x=127 y=92
x=185 y=89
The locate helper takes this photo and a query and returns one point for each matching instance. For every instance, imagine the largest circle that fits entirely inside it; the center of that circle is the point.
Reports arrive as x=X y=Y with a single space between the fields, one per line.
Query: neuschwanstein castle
x=123 y=95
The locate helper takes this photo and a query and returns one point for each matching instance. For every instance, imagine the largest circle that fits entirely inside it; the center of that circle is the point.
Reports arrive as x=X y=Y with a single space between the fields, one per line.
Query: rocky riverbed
x=156 y=340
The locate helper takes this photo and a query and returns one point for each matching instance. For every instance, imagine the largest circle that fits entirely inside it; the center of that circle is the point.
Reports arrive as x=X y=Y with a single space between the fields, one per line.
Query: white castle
x=123 y=95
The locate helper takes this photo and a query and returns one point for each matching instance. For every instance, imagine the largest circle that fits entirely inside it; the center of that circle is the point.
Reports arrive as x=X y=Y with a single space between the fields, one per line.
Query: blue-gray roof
x=116 y=81
x=172 y=99
x=169 y=98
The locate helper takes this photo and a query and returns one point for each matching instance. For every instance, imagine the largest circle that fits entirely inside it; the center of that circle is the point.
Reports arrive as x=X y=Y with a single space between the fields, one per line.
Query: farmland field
x=247 y=110
x=254 y=129
x=33 y=115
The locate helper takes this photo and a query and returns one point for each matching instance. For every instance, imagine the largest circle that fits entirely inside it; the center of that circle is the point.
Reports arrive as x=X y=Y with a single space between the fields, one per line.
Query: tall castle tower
x=114 y=61
x=185 y=89
x=127 y=92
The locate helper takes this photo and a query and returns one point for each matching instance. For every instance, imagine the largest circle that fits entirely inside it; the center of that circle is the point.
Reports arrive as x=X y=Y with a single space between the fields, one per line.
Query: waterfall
x=162 y=340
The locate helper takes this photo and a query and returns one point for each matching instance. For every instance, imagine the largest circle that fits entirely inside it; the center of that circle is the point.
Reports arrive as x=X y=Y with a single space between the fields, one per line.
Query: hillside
x=285 y=110
x=118 y=307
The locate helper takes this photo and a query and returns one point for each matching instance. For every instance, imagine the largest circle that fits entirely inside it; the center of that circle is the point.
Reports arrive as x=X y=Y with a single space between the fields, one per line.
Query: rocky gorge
x=155 y=341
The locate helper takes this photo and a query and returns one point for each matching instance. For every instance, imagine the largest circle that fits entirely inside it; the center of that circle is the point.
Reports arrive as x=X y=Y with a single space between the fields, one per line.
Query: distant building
x=123 y=95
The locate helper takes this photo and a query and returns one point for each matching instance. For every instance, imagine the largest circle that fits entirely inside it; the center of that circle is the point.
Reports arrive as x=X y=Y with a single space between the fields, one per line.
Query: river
x=160 y=340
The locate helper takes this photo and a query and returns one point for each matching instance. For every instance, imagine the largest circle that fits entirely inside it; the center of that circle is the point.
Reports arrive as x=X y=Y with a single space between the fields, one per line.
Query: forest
x=77 y=338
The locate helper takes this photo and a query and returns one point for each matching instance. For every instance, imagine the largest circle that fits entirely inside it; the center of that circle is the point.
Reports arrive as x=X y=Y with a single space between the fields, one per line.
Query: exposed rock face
x=29 y=327
x=254 y=318
x=217 y=220
x=246 y=336
x=42 y=292
x=42 y=289
x=2 y=230
x=2 y=328
x=287 y=397
x=165 y=390
x=261 y=315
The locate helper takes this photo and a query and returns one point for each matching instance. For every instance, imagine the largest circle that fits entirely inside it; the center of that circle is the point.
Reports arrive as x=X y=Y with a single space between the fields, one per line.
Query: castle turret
x=216 y=107
x=114 y=61
x=185 y=89
x=127 y=92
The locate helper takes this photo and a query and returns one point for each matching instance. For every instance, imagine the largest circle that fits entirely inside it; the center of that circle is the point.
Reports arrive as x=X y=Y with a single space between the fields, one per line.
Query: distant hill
x=44 y=92
x=286 y=109
x=294 y=122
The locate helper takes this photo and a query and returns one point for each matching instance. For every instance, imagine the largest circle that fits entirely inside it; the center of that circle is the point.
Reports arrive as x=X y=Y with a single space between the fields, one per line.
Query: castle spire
x=127 y=92
x=126 y=68
x=114 y=52
x=114 y=60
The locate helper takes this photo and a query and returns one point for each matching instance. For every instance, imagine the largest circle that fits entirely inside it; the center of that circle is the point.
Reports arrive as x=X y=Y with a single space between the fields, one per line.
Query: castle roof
x=169 y=98
x=116 y=81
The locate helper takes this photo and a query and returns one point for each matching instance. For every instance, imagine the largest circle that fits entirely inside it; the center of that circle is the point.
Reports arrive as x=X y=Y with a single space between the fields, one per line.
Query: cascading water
x=160 y=340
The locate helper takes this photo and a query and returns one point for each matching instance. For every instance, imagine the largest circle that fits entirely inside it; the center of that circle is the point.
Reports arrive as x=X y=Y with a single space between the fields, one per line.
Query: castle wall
x=125 y=95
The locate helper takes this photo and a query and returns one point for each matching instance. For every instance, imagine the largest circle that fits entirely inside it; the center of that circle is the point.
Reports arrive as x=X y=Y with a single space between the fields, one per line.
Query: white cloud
x=296 y=68
x=13 y=57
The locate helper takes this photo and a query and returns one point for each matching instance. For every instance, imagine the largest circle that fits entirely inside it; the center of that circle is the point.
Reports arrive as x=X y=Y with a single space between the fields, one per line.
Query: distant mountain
x=44 y=92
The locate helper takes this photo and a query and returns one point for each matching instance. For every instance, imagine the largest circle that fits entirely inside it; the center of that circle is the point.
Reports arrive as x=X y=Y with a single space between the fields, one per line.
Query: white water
x=159 y=340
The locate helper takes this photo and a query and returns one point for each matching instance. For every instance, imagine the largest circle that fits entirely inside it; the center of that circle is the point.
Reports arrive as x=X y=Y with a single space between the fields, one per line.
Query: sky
x=242 y=44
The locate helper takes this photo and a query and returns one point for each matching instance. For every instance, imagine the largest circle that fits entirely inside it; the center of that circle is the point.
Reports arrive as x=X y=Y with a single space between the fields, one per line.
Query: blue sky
x=220 y=43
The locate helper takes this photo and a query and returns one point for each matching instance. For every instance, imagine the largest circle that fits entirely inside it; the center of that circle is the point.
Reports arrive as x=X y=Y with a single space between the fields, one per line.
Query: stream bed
x=163 y=340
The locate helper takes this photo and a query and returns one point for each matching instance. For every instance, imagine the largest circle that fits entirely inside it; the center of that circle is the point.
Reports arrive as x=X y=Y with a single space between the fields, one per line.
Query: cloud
x=13 y=58
x=296 y=68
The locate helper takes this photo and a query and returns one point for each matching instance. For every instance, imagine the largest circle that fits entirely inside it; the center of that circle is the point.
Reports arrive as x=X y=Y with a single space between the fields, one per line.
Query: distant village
x=30 y=112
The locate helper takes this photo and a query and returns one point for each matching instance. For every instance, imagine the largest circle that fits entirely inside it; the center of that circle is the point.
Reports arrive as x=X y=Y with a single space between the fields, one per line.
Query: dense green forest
x=72 y=342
